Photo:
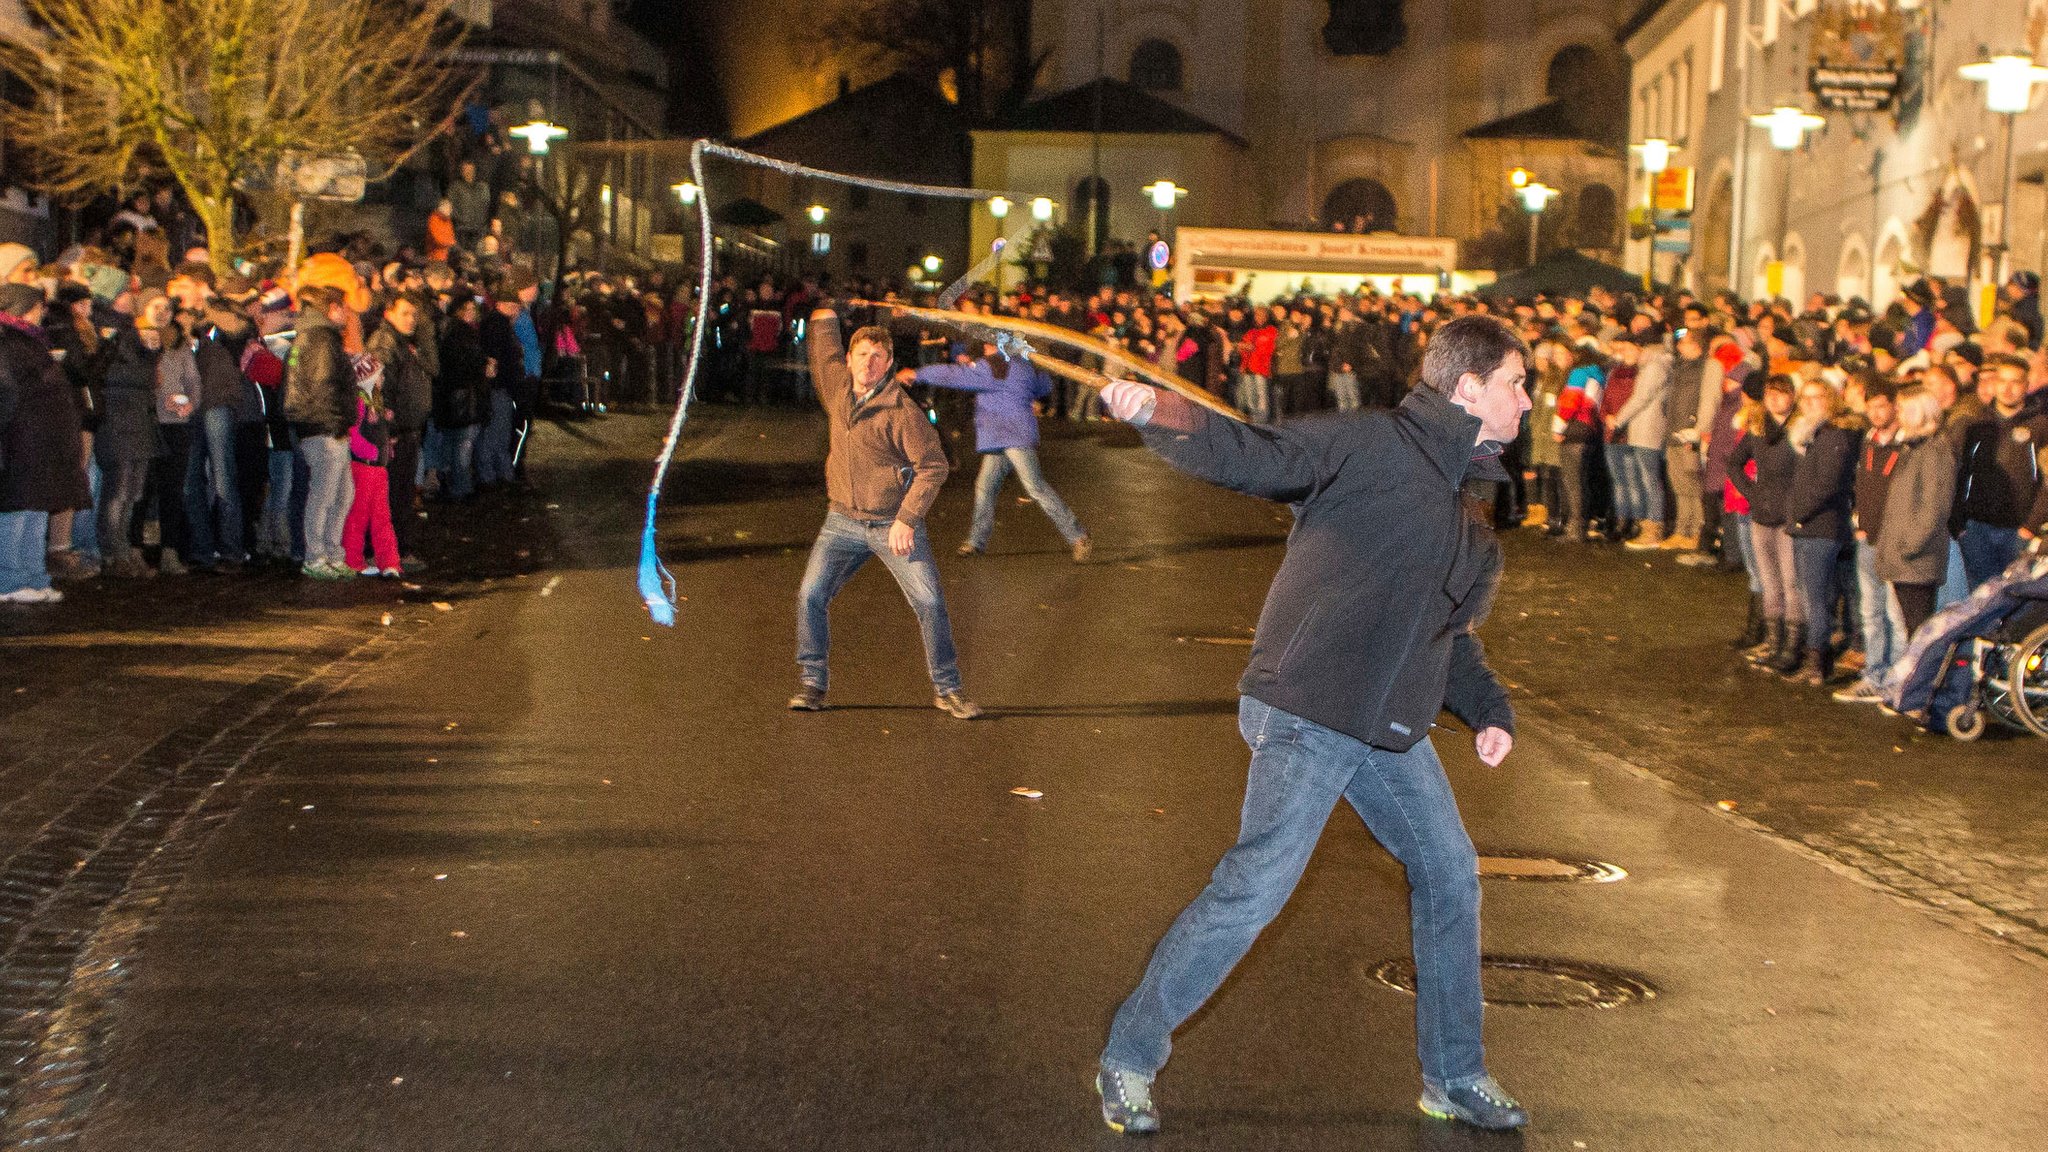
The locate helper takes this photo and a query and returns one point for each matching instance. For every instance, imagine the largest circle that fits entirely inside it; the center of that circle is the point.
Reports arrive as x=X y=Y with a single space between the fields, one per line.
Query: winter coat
x=1775 y=463
x=1543 y=450
x=885 y=461
x=84 y=367
x=1912 y=542
x=2002 y=468
x=408 y=390
x=1721 y=440
x=177 y=374
x=319 y=384
x=42 y=458
x=218 y=356
x=1823 y=486
x=1002 y=408
x=127 y=429
x=1258 y=350
x=1641 y=418
x=1370 y=625
x=461 y=391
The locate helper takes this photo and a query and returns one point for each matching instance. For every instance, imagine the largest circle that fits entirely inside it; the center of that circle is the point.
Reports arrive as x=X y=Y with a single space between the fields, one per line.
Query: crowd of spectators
x=1862 y=468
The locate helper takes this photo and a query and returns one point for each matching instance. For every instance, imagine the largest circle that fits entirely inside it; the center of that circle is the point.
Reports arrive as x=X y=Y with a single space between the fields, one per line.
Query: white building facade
x=1871 y=198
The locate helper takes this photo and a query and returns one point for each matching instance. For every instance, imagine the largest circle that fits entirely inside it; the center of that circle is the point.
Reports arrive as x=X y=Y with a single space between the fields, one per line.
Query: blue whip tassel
x=657 y=587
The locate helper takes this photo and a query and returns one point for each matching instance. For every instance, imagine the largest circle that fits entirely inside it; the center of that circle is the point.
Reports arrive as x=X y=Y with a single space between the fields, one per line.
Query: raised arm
x=960 y=377
x=1257 y=461
x=830 y=378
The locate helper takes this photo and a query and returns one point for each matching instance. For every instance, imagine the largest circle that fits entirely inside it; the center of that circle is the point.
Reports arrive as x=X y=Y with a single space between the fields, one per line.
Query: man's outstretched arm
x=1244 y=458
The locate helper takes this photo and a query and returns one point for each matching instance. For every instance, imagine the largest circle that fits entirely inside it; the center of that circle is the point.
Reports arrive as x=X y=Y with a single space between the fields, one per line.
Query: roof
x=1551 y=120
x=1635 y=23
x=898 y=127
x=1565 y=271
x=1125 y=108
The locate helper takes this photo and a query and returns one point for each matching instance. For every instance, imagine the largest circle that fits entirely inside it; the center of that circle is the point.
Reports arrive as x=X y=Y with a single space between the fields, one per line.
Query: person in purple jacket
x=1006 y=435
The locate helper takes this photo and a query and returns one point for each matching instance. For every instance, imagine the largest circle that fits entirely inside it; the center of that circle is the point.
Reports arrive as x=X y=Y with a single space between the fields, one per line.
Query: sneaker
x=393 y=573
x=372 y=570
x=50 y=595
x=1084 y=550
x=969 y=548
x=1681 y=543
x=22 y=596
x=1126 y=1101
x=808 y=698
x=1861 y=692
x=956 y=705
x=1699 y=559
x=169 y=565
x=1484 y=1104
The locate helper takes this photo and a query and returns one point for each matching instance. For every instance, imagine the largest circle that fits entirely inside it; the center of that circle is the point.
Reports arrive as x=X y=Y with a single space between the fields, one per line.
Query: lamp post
x=687 y=192
x=1041 y=209
x=1165 y=194
x=999 y=207
x=1788 y=126
x=1536 y=196
x=538 y=133
x=2008 y=80
x=1656 y=156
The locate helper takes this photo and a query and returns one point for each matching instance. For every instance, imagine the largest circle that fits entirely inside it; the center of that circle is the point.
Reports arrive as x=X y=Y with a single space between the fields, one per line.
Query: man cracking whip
x=1367 y=634
x=882 y=473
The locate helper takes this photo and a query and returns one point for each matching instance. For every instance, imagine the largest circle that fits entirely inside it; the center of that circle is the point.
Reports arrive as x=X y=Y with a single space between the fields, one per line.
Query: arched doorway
x=1594 y=217
x=1593 y=84
x=1885 y=271
x=1156 y=67
x=1710 y=237
x=1852 y=272
x=1792 y=277
x=1361 y=205
x=1760 y=272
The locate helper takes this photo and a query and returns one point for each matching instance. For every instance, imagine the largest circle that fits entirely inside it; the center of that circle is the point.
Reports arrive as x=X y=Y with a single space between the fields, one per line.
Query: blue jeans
x=85 y=527
x=843 y=545
x=494 y=443
x=329 y=489
x=1987 y=550
x=1255 y=396
x=1645 y=471
x=1299 y=768
x=1955 y=586
x=211 y=495
x=1884 y=626
x=24 y=540
x=995 y=468
x=274 y=530
x=1745 y=543
x=459 y=445
x=1814 y=565
x=1344 y=390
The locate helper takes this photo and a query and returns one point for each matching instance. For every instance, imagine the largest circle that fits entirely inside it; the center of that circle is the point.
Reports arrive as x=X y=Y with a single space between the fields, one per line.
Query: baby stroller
x=1984 y=658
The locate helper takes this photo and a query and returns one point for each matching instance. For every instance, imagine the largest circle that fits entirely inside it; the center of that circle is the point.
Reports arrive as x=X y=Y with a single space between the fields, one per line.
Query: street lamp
x=1536 y=196
x=1165 y=194
x=1656 y=154
x=1041 y=209
x=1788 y=126
x=932 y=265
x=2008 y=80
x=687 y=192
x=1519 y=177
x=817 y=214
x=538 y=133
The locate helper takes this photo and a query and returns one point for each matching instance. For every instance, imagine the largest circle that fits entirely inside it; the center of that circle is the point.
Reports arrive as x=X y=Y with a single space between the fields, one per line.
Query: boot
x=1793 y=657
x=1770 y=646
x=1753 y=628
x=1819 y=666
x=1651 y=537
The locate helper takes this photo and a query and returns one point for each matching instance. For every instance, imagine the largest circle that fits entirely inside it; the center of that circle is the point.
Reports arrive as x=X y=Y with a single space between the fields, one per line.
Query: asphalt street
x=531 y=873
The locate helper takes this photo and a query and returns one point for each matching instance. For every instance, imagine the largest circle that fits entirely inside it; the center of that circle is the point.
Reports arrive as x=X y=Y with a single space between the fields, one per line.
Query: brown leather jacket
x=886 y=462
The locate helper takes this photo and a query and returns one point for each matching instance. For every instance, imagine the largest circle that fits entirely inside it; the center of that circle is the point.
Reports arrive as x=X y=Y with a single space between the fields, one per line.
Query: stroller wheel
x=1965 y=723
x=2027 y=681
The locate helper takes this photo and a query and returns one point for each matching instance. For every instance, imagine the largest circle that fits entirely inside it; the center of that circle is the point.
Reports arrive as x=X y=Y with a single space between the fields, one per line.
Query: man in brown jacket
x=882 y=474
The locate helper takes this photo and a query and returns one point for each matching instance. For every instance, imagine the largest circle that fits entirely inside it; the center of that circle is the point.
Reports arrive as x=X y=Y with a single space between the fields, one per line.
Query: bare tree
x=215 y=92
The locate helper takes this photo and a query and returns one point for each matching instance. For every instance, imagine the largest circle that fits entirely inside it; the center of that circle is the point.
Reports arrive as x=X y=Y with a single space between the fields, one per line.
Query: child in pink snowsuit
x=369 y=449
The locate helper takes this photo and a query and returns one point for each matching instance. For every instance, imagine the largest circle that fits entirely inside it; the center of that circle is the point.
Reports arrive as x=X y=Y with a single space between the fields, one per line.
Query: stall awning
x=1272 y=251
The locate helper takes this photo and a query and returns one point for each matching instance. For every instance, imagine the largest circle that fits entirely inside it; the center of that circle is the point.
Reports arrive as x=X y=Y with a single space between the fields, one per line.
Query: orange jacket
x=440 y=236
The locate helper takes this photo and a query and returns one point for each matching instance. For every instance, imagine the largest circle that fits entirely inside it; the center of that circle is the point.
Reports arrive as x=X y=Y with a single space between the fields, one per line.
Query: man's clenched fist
x=1128 y=401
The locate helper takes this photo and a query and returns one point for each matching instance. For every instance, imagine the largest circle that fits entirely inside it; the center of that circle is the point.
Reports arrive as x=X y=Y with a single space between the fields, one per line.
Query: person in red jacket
x=1255 y=367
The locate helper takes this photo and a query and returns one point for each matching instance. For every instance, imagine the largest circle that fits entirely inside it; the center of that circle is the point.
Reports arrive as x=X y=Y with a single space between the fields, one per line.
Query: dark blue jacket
x=1002 y=408
x=1369 y=627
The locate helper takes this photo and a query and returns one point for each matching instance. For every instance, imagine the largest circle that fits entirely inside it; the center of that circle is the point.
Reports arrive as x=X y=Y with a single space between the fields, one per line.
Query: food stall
x=1261 y=265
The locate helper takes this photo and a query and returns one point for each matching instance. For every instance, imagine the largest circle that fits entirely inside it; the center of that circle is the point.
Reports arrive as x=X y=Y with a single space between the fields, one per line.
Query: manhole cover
x=1528 y=866
x=1535 y=982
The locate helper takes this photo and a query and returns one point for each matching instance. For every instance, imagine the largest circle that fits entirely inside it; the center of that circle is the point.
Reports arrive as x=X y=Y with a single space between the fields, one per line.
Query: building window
x=1362 y=205
x=821 y=243
x=1156 y=67
x=1594 y=218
